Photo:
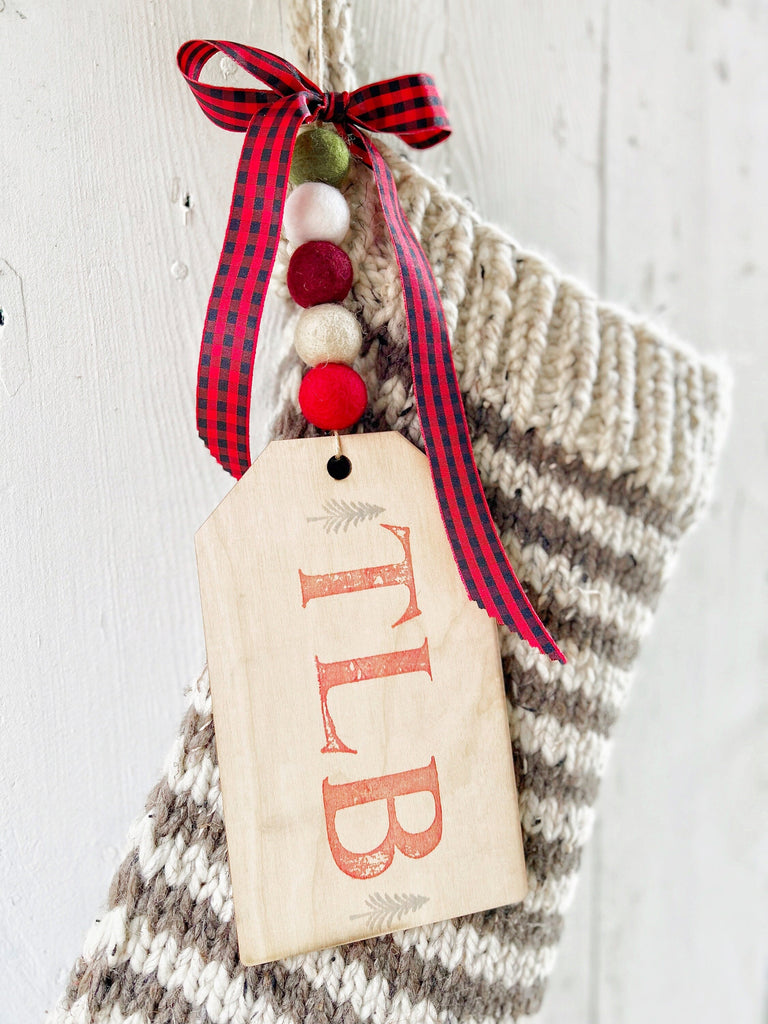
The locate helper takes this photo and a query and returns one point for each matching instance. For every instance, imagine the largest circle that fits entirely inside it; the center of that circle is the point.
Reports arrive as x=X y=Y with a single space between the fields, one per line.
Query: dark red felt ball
x=333 y=396
x=319 y=272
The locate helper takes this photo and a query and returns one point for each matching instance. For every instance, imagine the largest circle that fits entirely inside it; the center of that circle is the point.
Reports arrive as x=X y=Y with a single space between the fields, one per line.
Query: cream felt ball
x=328 y=333
x=315 y=212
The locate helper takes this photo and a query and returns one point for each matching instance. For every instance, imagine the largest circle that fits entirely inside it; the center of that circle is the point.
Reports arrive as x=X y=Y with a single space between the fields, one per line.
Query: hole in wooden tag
x=339 y=467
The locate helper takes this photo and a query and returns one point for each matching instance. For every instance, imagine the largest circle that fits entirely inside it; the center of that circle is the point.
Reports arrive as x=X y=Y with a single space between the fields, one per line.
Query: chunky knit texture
x=596 y=437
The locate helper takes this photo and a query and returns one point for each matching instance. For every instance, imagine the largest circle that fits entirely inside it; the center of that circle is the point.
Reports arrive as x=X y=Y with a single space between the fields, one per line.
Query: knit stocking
x=596 y=438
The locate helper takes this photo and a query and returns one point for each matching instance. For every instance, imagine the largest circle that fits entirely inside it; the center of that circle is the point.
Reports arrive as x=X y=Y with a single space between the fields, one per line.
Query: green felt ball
x=320 y=154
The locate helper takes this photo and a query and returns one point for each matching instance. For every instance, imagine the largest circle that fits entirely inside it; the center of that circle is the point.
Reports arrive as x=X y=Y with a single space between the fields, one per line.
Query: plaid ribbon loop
x=410 y=107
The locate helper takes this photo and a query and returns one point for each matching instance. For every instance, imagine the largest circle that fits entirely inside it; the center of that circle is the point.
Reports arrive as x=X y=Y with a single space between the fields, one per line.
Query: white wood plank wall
x=628 y=139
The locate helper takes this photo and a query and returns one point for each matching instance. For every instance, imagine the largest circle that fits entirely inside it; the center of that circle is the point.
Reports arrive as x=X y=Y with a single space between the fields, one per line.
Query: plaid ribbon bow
x=411 y=108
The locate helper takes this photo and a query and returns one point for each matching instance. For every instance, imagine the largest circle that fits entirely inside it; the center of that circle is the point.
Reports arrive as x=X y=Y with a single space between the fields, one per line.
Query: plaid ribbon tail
x=480 y=557
x=225 y=369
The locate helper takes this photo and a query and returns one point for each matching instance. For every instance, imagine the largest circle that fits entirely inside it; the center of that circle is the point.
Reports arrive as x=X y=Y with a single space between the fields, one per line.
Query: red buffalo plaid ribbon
x=409 y=107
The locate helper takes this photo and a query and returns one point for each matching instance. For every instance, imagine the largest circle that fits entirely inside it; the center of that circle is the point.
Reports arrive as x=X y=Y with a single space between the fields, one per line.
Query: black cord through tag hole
x=339 y=467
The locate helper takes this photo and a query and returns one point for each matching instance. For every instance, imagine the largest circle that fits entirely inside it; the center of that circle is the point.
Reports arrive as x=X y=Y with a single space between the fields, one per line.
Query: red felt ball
x=333 y=396
x=319 y=272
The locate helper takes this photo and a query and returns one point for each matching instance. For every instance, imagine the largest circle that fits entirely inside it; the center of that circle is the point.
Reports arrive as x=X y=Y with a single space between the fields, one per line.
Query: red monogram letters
x=375 y=666
x=361 y=728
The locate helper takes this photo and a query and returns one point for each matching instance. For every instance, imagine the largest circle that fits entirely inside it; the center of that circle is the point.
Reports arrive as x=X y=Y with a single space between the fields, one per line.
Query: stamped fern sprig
x=385 y=908
x=340 y=515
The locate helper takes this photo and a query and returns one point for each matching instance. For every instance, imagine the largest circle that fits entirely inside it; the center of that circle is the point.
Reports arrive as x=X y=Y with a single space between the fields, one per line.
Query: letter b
x=386 y=787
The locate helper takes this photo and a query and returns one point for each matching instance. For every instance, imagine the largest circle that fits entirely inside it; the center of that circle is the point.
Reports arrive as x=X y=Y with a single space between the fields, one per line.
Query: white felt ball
x=315 y=212
x=328 y=333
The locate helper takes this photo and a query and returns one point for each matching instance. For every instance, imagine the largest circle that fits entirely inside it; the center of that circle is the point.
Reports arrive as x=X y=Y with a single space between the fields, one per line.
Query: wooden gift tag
x=358 y=701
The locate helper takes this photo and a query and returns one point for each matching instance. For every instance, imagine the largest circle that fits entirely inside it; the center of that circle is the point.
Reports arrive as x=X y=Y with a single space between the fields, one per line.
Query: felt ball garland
x=328 y=337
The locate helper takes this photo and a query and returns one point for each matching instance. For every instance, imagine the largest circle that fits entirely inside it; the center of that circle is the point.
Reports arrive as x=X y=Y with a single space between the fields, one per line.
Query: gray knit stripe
x=596 y=560
x=154 y=897
x=525 y=688
x=542 y=779
x=286 y=990
x=517 y=926
x=447 y=990
x=569 y=470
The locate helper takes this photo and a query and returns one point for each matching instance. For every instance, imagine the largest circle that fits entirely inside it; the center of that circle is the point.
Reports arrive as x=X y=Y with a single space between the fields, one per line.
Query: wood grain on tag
x=358 y=701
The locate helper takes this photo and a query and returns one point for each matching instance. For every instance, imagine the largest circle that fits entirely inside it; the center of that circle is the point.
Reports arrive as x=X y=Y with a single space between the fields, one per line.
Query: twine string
x=319 y=46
